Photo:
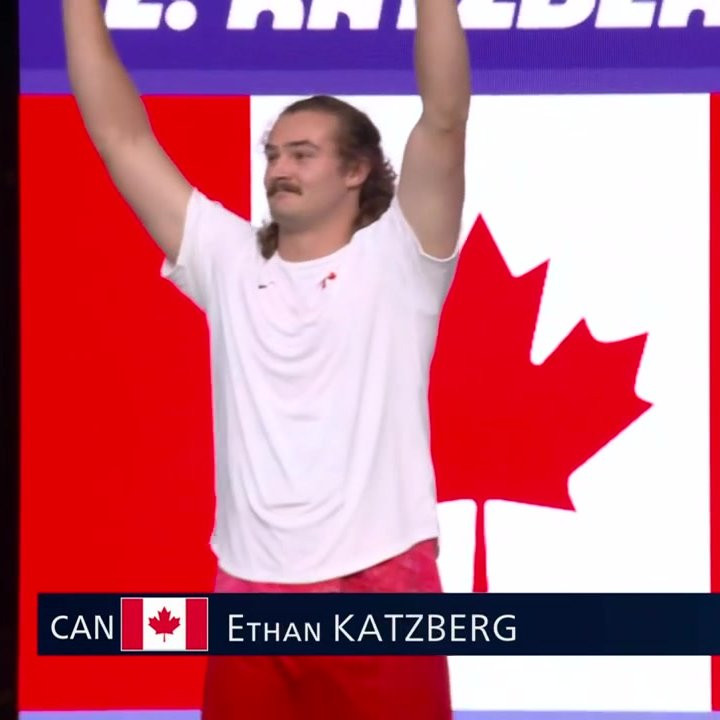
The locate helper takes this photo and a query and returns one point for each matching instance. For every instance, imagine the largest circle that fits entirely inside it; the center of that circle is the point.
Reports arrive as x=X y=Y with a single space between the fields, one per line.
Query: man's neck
x=314 y=243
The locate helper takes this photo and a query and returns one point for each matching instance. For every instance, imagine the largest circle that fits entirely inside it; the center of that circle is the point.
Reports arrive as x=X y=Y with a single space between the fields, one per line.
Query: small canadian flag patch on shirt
x=171 y=624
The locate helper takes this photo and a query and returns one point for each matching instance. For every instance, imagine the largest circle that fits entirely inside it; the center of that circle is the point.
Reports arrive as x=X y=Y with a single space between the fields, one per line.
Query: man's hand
x=431 y=190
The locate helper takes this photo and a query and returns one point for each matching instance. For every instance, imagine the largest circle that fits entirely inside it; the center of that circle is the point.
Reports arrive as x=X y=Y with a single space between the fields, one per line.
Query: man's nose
x=280 y=168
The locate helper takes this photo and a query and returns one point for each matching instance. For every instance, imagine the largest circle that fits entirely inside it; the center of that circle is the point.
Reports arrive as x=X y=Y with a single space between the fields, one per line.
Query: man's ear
x=357 y=173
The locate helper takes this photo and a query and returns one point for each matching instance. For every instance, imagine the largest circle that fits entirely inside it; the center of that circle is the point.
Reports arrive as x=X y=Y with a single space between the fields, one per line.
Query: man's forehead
x=316 y=129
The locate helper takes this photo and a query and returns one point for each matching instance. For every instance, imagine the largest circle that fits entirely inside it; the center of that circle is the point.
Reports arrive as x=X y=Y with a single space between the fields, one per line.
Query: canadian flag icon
x=171 y=624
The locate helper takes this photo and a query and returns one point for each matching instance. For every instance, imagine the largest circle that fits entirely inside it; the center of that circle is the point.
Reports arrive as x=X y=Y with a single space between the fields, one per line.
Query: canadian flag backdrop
x=571 y=396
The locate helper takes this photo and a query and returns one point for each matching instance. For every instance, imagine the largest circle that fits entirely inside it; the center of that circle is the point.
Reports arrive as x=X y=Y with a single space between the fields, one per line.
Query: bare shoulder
x=153 y=187
x=431 y=190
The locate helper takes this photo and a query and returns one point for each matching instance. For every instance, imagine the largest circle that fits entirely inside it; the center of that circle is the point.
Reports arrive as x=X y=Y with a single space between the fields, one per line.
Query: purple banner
x=570 y=45
x=458 y=715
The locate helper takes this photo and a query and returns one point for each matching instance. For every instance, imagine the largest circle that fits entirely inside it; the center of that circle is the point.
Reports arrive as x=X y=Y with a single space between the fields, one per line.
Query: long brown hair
x=358 y=139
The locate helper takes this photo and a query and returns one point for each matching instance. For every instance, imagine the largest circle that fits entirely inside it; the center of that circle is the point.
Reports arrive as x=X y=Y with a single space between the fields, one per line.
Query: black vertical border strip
x=9 y=358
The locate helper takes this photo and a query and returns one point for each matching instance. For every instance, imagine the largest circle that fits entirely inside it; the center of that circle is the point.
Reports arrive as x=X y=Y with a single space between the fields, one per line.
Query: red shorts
x=335 y=688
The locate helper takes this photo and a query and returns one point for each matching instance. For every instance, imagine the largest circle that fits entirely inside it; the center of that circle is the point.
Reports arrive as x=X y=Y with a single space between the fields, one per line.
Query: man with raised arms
x=323 y=324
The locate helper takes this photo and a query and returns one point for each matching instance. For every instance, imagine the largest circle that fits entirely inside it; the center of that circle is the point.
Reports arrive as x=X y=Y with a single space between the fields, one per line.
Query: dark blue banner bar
x=381 y=624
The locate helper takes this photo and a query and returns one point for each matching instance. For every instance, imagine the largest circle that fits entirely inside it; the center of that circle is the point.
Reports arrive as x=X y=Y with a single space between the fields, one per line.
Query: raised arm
x=431 y=189
x=117 y=123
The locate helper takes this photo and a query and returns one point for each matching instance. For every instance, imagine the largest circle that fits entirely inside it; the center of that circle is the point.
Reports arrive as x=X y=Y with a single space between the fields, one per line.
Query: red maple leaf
x=164 y=624
x=502 y=427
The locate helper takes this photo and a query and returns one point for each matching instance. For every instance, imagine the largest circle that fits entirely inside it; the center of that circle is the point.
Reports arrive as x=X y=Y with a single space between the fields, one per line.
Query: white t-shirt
x=319 y=385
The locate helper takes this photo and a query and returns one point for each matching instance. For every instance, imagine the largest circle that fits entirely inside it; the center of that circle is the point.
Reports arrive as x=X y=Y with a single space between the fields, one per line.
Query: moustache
x=282 y=186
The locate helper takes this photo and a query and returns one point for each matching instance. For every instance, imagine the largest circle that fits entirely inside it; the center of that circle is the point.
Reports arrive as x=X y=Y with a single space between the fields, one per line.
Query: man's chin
x=281 y=217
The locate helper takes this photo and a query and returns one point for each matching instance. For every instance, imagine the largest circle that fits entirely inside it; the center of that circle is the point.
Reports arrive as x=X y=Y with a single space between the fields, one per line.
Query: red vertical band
x=92 y=299
x=715 y=369
x=196 y=626
x=131 y=622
